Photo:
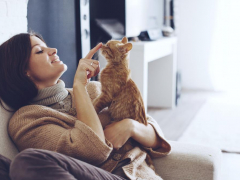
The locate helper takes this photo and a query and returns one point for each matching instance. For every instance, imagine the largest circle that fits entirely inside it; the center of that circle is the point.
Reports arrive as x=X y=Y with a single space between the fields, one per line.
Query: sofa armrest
x=190 y=162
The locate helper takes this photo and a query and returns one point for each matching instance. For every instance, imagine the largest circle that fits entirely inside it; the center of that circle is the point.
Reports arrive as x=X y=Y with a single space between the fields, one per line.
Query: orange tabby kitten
x=119 y=93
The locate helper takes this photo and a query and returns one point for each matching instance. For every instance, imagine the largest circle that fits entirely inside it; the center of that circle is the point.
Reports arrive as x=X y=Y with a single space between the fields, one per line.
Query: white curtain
x=225 y=51
x=209 y=44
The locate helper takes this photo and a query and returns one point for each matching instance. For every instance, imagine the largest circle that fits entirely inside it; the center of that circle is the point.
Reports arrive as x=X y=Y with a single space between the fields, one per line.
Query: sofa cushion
x=190 y=162
x=7 y=148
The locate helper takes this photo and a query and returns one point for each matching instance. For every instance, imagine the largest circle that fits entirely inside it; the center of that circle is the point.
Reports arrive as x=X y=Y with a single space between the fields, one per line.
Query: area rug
x=174 y=122
x=230 y=166
x=216 y=124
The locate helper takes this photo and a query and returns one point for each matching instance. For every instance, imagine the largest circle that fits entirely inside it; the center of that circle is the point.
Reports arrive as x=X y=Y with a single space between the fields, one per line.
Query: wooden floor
x=174 y=122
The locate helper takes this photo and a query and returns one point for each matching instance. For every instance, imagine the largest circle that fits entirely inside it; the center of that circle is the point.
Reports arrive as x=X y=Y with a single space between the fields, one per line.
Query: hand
x=119 y=132
x=87 y=67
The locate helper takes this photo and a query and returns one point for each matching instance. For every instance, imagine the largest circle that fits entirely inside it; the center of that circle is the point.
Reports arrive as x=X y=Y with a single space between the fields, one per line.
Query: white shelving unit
x=153 y=69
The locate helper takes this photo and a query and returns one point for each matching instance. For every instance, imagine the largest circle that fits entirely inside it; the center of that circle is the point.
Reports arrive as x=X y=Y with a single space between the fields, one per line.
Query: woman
x=54 y=118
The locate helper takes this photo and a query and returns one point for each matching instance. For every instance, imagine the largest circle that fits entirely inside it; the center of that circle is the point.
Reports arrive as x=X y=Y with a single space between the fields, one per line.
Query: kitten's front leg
x=101 y=102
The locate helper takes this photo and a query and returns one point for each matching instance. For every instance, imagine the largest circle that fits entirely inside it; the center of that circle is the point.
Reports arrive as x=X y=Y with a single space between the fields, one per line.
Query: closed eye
x=110 y=50
x=39 y=52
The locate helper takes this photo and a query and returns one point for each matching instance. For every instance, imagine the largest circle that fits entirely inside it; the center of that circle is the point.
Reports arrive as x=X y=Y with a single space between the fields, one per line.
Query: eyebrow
x=36 y=45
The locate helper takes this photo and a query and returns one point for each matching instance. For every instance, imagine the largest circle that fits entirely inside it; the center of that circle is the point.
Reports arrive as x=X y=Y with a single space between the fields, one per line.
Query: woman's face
x=45 y=67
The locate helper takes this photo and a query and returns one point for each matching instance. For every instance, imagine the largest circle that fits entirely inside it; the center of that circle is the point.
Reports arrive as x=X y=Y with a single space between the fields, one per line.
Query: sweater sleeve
x=93 y=89
x=43 y=128
x=165 y=147
x=84 y=144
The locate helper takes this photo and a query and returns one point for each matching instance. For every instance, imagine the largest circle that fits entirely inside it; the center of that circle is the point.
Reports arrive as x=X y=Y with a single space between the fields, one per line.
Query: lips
x=55 y=60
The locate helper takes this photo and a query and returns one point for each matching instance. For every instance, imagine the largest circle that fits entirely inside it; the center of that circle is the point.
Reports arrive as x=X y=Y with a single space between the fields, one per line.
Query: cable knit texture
x=42 y=127
x=51 y=95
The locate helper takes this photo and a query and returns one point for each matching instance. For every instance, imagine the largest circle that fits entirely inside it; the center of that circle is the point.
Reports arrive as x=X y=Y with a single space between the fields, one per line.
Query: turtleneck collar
x=51 y=95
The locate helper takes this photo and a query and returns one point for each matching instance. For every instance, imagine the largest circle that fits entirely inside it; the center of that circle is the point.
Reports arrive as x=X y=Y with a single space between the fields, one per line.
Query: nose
x=52 y=51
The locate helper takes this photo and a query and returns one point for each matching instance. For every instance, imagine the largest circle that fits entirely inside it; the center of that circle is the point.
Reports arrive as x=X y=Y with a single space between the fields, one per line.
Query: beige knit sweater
x=37 y=126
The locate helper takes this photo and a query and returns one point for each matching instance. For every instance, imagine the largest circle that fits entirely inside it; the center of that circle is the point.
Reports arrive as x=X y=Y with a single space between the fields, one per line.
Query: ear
x=27 y=74
x=124 y=40
x=126 y=47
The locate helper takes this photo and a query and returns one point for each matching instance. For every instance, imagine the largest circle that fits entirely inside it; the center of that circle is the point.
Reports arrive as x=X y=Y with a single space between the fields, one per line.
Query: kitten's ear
x=124 y=40
x=126 y=47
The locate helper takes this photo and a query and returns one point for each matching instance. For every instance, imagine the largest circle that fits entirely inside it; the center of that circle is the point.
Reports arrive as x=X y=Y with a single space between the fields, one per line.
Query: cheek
x=39 y=67
x=42 y=69
x=107 y=54
x=104 y=53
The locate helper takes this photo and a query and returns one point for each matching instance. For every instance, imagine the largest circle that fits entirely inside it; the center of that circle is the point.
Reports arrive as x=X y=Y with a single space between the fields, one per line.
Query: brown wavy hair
x=16 y=88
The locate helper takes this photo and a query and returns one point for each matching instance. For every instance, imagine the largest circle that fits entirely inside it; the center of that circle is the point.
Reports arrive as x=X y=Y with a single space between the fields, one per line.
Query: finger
x=93 y=51
x=91 y=61
x=97 y=70
x=88 y=75
x=89 y=70
x=95 y=65
x=92 y=72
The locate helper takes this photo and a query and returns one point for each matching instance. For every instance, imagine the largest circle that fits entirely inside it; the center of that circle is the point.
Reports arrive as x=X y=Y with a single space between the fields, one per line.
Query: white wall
x=13 y=18
x=196 y=26
x=145 y=14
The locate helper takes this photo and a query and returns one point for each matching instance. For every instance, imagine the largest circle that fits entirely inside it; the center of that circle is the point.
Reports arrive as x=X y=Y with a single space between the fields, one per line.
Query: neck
x=119 y=63
x=42 y=85
x=51 y=95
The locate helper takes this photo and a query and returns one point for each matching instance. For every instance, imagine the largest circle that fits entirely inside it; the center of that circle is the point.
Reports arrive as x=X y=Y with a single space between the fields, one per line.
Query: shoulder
x=29 y=112
x=31 y=109
x=25 y=116
x=33 y=116
x=33 y=112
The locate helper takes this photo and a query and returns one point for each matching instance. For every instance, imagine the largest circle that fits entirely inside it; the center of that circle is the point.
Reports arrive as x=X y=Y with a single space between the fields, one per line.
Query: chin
x=64 y=69
x=60 y=71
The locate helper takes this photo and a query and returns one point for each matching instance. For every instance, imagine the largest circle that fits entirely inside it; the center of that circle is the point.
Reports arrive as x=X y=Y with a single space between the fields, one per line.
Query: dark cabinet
x=58 y=22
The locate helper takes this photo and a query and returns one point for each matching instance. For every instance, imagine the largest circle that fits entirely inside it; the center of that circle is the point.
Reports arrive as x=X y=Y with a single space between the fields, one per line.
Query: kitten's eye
x=39 y=52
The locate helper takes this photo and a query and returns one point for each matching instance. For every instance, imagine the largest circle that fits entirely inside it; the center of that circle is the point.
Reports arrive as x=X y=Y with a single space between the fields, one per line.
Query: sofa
x=186 y=161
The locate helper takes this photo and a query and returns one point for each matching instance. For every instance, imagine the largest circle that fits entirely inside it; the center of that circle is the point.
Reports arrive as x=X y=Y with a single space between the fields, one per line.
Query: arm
x=85 y=110
x=145 y=135
x=150 y=136
x=45 y=128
